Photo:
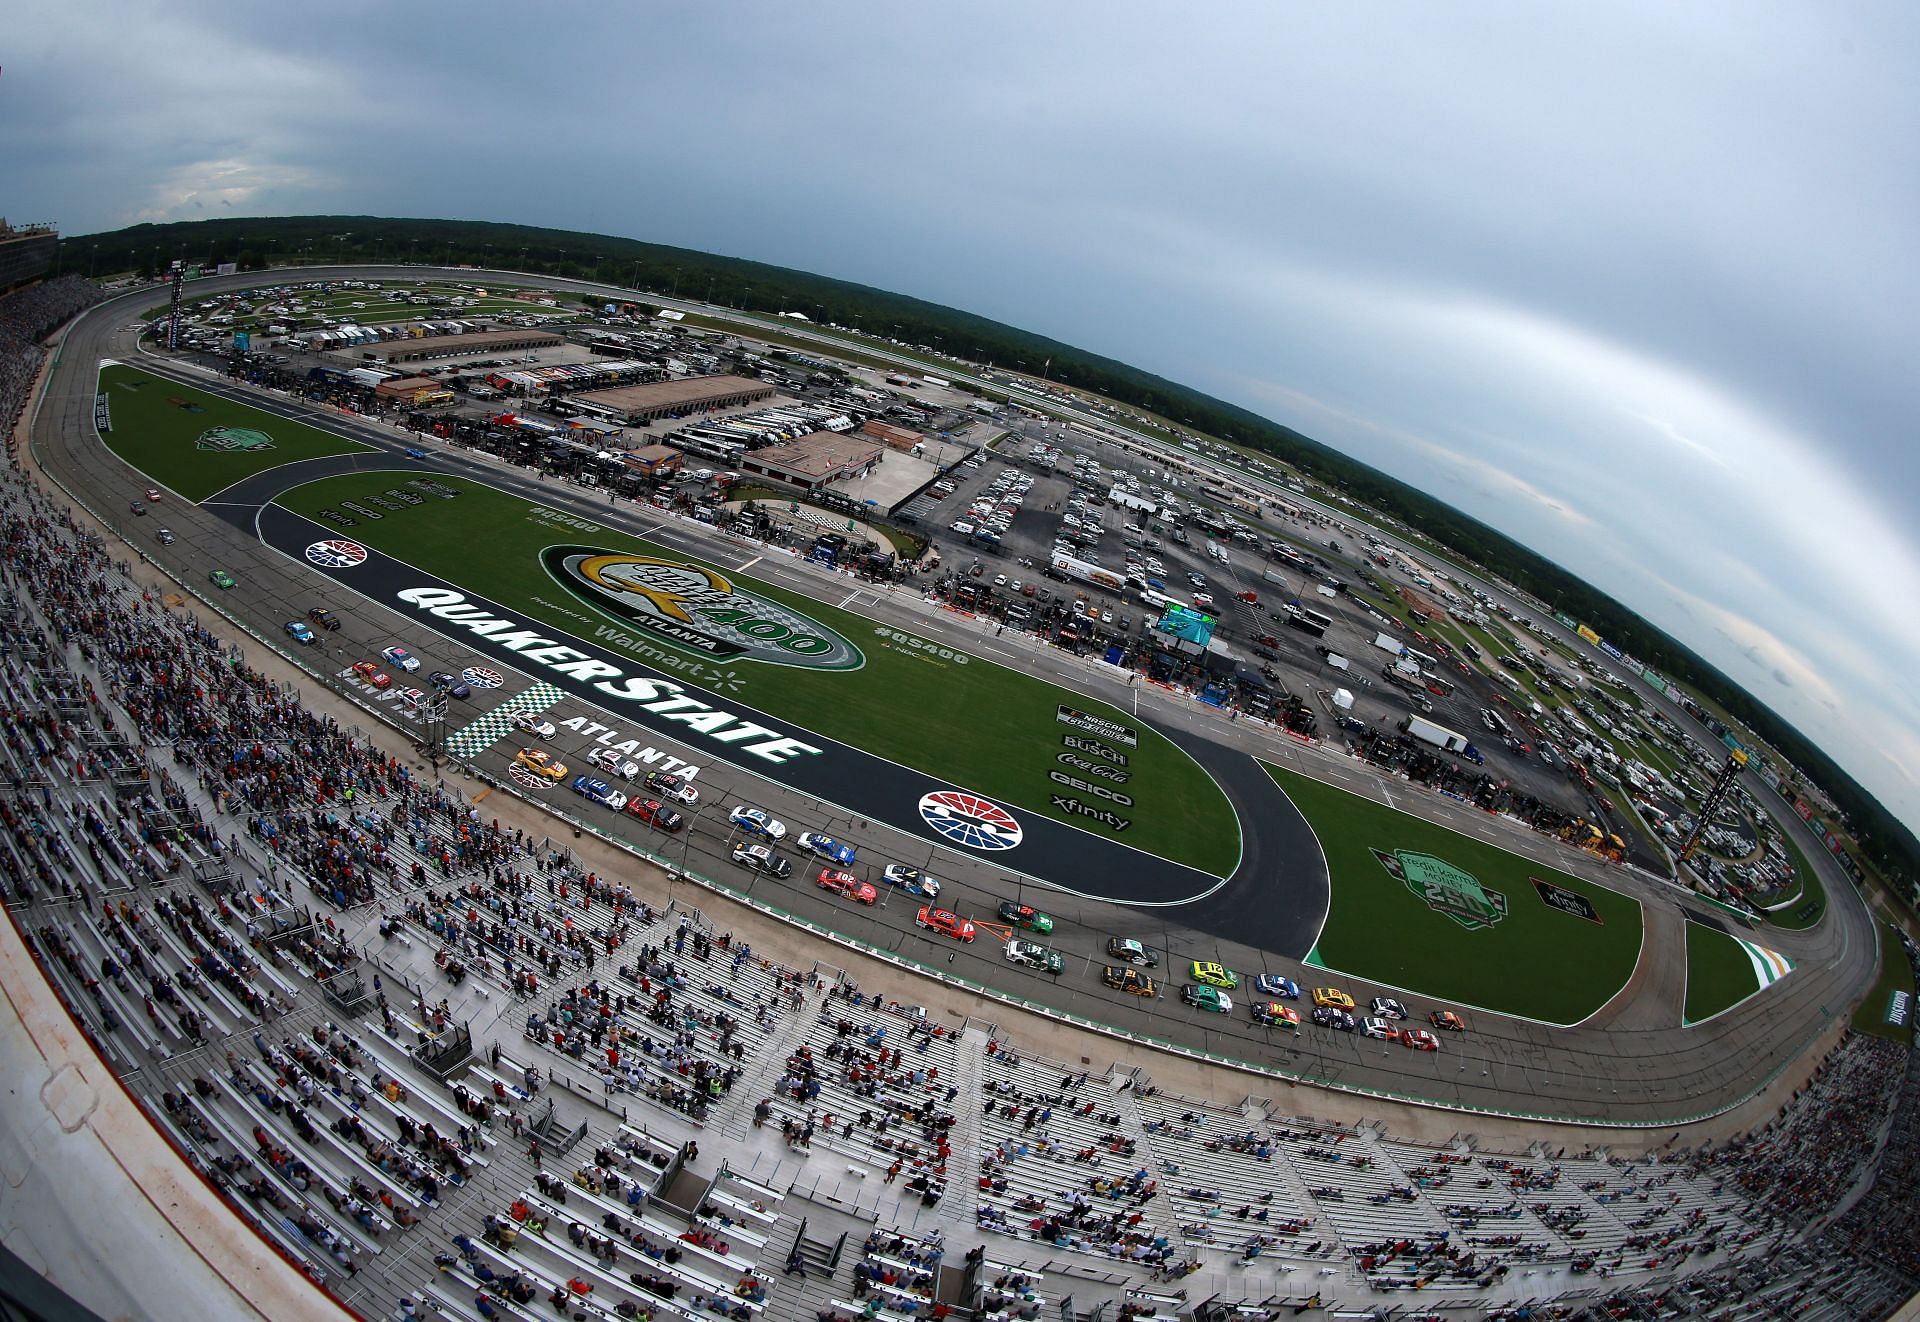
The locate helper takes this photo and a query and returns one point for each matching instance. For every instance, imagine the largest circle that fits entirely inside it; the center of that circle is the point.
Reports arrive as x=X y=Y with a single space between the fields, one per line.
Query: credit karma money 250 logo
x=696 y=609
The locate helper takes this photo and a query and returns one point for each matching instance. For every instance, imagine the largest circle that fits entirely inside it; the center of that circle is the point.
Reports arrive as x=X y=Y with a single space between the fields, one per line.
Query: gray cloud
x=1633 y=282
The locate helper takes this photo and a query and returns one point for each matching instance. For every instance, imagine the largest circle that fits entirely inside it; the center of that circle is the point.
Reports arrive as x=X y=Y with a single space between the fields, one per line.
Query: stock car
x=845 y=883
x=592 y=787
x=1275 y=1015
x=323 y=617
x=164 y=536
x=222 y=580
x=613 y=763
x=655 y=813
x=300 y=633
x=1036 y=956
x=945 y=922
x=453 y=684
x=1376 y=1027
x=1272 y=984
x=1332 y=998
x=1387 y=1008
x=541 y=763
x=757 y=821
x=401 y=657
x=1209 y=974
x=1447 y=1020
x=1132 y=981
x=911 y=880
x=761 y=859
x=669 y=786
x=1207 y=998
x=1025 y=916
x=825 y=846
x=372 y=674
x=1129 y=951
x=1328 y=1017
x=153 y=495
x=528 y=723
x=1419 y=1039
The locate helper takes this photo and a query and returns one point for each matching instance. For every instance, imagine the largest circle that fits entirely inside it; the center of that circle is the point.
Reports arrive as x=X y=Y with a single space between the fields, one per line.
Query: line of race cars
x=1209 y=990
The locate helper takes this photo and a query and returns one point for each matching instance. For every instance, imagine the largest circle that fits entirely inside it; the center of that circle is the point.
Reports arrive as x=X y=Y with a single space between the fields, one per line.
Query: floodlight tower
x=177 y=276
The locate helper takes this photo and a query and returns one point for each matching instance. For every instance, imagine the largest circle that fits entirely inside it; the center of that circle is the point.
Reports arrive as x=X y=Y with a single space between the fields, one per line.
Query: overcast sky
x=1634 y=283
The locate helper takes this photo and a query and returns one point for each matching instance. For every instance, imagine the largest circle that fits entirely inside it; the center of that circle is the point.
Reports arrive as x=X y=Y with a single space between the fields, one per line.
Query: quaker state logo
x=697 y=609
x=1446 y=889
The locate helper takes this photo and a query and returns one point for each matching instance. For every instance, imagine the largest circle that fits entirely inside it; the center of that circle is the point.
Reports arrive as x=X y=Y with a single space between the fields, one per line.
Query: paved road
x=1631 y=1063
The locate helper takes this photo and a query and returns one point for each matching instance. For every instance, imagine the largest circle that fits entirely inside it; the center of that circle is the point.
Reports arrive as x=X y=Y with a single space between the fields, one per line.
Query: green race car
x=221 y=579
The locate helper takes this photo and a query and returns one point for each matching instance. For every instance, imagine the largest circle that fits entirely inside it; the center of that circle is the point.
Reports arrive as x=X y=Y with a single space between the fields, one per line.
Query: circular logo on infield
x=482 y=678
x=970 y=820
x=337 y=553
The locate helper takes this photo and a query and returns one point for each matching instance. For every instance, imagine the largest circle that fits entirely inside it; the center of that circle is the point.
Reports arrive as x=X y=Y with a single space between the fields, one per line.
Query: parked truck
x=1427 y=732
x=1066 y=566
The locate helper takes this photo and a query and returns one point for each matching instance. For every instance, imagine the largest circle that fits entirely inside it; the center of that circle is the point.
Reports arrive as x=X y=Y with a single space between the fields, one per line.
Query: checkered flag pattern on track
x=471 y=739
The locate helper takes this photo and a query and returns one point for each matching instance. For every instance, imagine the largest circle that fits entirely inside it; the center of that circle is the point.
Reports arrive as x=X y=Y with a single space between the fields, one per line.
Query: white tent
x=1343 y=700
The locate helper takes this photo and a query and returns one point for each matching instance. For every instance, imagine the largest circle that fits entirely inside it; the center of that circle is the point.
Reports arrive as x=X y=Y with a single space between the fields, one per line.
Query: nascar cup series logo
x=697 y=610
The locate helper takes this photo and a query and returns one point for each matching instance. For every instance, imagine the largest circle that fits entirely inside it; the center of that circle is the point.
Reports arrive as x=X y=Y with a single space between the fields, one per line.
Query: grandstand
x=427 y=1056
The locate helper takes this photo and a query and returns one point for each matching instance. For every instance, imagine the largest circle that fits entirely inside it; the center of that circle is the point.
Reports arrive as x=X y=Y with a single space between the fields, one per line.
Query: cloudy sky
x=1635 y=283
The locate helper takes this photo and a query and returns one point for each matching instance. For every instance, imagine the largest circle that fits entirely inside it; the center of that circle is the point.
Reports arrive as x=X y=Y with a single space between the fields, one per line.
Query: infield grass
x=1719 y=973
x=157 y=425
x=1536 y=961
x=1896 y=974
x=976 y=724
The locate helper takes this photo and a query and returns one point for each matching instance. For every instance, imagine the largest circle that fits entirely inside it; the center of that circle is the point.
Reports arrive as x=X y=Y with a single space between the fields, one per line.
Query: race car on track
x=756 y=821
x=1275 y=1015
x=655 y=813
x=541 y=763
x=1376 y=1027
x=222 y=579
x=164 y=536
x=1129 y=951
x=153 y=494
x=761 y=859
x=1207 y=998
x=1272 y=984
x=845 y=883
x=1213 y=975
x=1328 y=1017
x=372 y=674
x=300 y=633
x=400 y=656
x=1132 y=981
x=1332 y=997
x=825 y=846
x=614 y=764
x=1447 y=1020
x=1419 y=1039
x=592 y=787
x=945 y=922
x=911 y=880
x=1387 y=1008
x=1025 y=916
x=325 y=618
x=669 y=786
x=1036 y=956
x=527 y=723
x=450 y=683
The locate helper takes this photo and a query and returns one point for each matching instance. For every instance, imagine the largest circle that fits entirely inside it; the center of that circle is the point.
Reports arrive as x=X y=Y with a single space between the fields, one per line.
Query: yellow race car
x=1332 y=998
x=541 y=763
x=1213 y=975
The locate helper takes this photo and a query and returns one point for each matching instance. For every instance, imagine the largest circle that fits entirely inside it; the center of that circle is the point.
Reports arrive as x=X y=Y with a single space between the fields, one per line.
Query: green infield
x=196 y=443
x=946 y=712
x=1722 y=971
x=1806 y=909
x=1896 y=975
x=1417 y=906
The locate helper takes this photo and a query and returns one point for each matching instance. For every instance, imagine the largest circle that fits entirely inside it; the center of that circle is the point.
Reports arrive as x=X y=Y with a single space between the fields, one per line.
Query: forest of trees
x=259 y=242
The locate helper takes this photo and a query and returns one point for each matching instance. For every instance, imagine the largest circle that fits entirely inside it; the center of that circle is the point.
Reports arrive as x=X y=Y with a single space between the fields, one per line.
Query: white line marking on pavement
x=741 y=569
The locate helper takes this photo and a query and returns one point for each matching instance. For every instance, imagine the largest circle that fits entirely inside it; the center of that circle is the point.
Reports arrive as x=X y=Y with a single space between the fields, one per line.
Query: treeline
x=682 y=272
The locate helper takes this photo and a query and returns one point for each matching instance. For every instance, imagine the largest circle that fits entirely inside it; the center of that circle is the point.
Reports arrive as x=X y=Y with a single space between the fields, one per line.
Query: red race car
x=845 y=883
x=946 y=923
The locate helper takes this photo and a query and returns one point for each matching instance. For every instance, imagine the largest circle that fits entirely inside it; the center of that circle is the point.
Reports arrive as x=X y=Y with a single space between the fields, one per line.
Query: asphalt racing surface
x=1632 y=1063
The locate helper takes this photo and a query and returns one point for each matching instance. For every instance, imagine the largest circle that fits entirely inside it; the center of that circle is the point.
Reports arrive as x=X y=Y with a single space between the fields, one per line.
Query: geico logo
x=1088 y=787
x=1093 y=768
x=1093 y=747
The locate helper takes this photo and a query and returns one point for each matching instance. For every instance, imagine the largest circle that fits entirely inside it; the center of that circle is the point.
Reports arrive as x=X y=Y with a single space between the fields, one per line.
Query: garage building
x=900 y=438
x=459 y=346
x=815 y=460
x=661 y=399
